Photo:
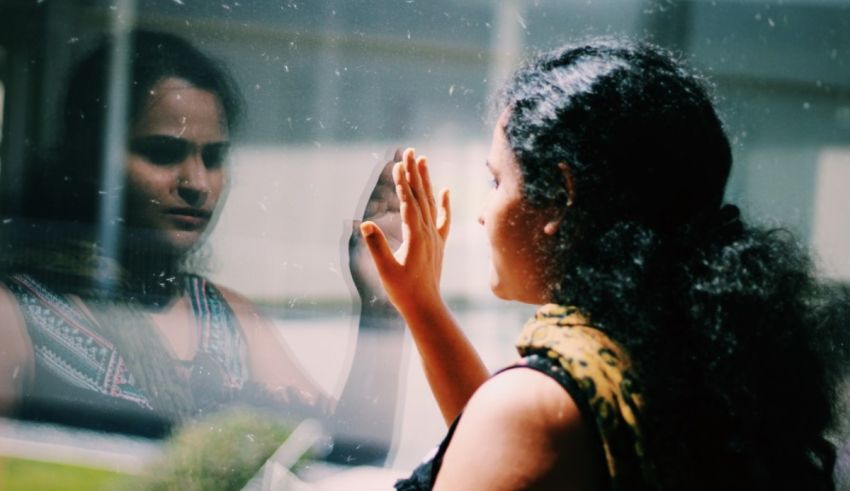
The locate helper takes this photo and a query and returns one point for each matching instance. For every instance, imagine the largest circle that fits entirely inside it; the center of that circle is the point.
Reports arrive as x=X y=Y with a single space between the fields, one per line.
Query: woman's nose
x=193 y=185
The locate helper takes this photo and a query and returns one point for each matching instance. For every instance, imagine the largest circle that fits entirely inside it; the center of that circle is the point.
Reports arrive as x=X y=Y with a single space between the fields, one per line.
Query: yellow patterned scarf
x=602 y=372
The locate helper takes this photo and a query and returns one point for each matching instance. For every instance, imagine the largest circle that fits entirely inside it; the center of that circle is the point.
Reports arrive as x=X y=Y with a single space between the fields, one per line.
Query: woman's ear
x=553 y=225
x=569 y=182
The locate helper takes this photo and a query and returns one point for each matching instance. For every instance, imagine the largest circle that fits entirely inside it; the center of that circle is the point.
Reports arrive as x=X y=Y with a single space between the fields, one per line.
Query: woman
x=130 y=340
x=675 y=348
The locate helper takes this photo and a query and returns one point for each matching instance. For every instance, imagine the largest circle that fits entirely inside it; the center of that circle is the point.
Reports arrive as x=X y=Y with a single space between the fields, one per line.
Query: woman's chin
x=175 y=243
x=180 y=243
x=522 y=295
x=498 y=288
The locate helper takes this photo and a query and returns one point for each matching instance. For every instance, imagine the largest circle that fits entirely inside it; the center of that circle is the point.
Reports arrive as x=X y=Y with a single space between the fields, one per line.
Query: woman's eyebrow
x=159 y=137
x=156 y=137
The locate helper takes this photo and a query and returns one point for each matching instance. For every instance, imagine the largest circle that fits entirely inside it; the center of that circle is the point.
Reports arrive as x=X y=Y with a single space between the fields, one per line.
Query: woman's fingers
x=425 y=177
x=408 y=207
x=424 y=227
x=411 y=168
x=379 y=249
x=444 y=219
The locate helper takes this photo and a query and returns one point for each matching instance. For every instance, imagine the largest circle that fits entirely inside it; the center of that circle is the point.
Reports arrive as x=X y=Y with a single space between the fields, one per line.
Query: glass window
x=272 y=144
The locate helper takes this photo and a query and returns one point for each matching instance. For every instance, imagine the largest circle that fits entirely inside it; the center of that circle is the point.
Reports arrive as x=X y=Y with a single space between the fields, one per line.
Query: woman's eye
x=161 y=151
x=214 y=155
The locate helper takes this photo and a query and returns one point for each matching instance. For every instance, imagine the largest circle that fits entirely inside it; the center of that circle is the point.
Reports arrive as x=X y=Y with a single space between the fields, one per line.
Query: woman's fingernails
x=367 y=229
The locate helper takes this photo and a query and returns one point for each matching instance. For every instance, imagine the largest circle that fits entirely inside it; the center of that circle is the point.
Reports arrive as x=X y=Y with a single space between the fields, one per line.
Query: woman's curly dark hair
x=722 y=319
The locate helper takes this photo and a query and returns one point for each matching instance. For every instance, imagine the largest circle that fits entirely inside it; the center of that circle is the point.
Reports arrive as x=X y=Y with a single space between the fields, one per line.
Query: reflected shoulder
x=16 y=354
x=246 y=312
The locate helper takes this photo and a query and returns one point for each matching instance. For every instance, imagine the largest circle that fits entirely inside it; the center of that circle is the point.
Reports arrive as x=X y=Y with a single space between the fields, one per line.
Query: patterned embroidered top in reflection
x=75 y=365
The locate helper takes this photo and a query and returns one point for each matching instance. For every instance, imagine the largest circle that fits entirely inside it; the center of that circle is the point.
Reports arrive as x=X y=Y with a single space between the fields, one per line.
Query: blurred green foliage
x=221 y=452
x=29 y=475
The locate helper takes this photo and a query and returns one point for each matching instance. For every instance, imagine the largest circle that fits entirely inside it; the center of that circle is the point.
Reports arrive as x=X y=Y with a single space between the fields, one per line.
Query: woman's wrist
x=425 y=311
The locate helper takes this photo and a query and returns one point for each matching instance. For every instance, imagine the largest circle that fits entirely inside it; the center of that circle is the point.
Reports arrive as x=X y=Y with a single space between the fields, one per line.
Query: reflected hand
x=411 y=274
x=382 y=208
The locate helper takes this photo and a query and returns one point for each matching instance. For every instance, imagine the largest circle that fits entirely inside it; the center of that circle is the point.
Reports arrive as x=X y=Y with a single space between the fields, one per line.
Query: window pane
x=247 y=270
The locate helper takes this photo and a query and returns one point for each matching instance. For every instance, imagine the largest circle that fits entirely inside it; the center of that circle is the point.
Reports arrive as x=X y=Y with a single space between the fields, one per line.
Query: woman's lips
x=189 y=218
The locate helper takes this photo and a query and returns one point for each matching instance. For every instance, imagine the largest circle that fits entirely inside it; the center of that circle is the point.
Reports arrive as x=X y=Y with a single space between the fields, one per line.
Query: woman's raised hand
x=411 y=274
x=411 y=278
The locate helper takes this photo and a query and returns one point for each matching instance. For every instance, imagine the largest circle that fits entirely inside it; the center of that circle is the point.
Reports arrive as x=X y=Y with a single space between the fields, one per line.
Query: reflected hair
x=724 y=320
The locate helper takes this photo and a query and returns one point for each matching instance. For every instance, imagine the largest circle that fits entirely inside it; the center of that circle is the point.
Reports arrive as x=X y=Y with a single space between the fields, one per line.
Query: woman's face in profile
x=176 y=164
x=514 y=228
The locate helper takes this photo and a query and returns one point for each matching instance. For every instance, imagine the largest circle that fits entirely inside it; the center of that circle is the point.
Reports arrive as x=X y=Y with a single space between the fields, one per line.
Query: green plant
x=220 y=452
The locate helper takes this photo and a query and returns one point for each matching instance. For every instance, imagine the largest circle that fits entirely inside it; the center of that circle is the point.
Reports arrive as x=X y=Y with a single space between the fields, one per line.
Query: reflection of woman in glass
x=159 y=343
x=677 y=346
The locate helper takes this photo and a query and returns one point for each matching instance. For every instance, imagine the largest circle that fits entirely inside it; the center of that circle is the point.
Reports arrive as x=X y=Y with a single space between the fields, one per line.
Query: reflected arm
x=271 y=364
x=16 y=355
x=364 y=421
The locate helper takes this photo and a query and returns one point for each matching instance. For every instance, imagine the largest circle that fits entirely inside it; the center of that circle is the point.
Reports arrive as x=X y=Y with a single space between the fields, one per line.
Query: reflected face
x=514 y=229
x=175 y=164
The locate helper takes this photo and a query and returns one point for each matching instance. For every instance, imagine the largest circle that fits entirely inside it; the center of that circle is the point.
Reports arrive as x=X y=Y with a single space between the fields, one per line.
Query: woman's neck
x=151 y=277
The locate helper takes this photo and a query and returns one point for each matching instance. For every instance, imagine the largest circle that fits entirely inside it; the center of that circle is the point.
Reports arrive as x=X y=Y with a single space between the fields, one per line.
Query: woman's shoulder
x=527 y=396
x=525 y=418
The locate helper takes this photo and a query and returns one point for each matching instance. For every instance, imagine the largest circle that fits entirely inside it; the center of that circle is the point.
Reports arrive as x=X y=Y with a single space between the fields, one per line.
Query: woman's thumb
x=380 y=250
